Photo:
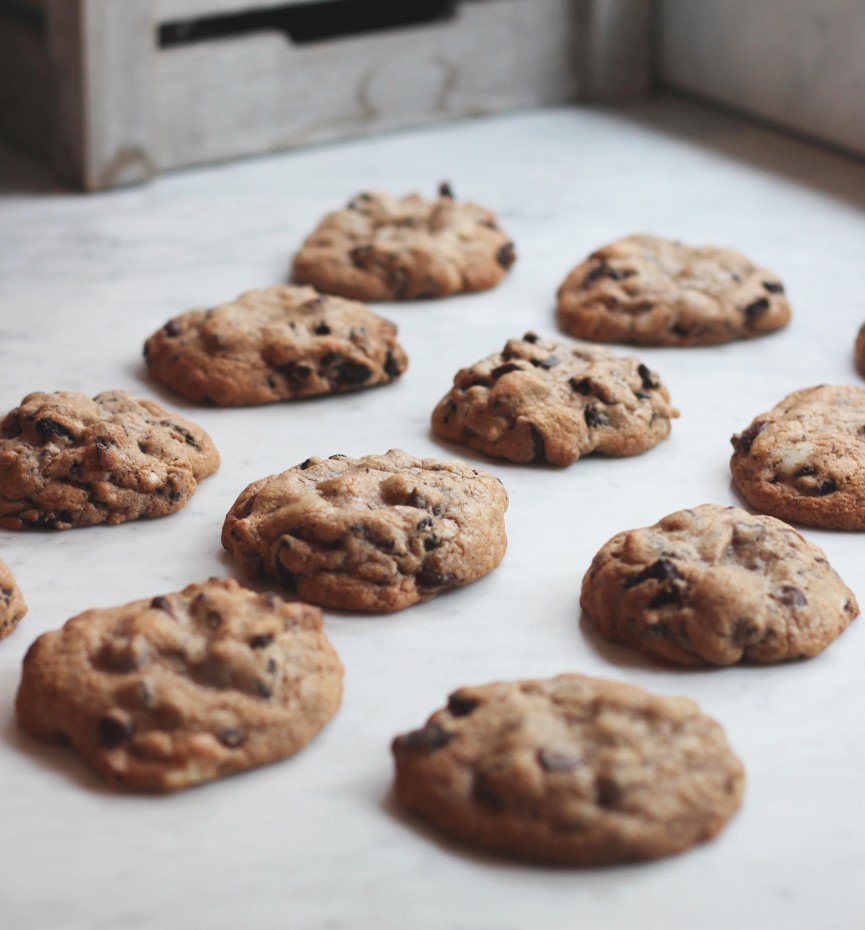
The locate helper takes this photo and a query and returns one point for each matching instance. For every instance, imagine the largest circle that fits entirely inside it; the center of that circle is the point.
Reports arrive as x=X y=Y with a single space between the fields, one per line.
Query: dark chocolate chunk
x=661 y=599
x=595 y=272
x=774 y=287
x=595 y=418
x=829 y=486
x=391 y=366
x=359 y=255
x=806 y=472
x=427 y=578
x=756 y=307
x=531 y=338
x=188 y=438
x=608 y=791
x=322 y=329
x=263 y=689
x=662 y=570
x=539 y=443
x=231 y=737
x=424 y=524
x=288 y=579
x=430 y=737
x=250 y=503
x=114 y=731
x=445 y=190
x=506 y=255
x=583 y=386
x=353 y=372
x=261 y=641
x=51 y=429
x=648 y=379
x=162 y=603
x=508 y=367
x=792 y=596
x=549 y=362
x=460 y=706
x=742 y=442
x=295 y=372
x=171 y=328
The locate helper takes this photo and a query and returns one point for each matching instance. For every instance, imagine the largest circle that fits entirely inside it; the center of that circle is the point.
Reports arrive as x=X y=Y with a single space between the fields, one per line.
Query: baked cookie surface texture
x=649 y=290
x=377 y=533
x=570 y=770
x=716 y=585
x=168 y=692
x=278 y=343
x=67 y=460
x=382 y=247
x=12 y=606
x=540 y=400
x=804 y=460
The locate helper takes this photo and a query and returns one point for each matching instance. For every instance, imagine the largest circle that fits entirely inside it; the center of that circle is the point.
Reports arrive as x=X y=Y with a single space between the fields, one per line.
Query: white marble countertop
x=316 y=841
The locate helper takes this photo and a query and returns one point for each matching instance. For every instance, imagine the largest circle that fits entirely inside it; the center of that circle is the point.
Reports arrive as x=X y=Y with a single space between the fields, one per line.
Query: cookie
x=377 y=533
x=649 y=290
x=804 y=460
x=543 y=401
x=168 y=692
x=12 y=606
x=67 y=460
x=274 y=344
x=859 y=351
x=387 y=248
x=715 y=585
x=570 y=770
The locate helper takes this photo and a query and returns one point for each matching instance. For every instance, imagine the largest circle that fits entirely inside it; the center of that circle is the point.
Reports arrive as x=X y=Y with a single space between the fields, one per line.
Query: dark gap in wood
x=30 y=17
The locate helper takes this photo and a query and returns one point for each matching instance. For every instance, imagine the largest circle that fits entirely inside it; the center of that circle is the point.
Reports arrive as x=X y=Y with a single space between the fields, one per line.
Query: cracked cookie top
x=804 y=460
x=377 y=533
x=716 y=585
x=12 y=606
x=539 y=400
x=382 y=247
x=67 y=460
x=278 y=343
x=570 y=770
x=649 y=290
x=171 y=691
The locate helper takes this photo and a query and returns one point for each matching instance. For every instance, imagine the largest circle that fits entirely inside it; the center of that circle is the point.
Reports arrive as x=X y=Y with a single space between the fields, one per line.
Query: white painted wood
x=616 y=54
x=260 y=93
x=800 y=63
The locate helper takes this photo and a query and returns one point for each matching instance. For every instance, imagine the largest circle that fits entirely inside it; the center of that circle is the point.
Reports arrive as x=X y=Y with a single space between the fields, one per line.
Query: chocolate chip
x=595 y=272
x=549 y=362
x=506 y=255
x=162 y=603
x=48 y=429
x=755 y=308
x=438 y=510
x=662 y=570
x=430 y=737
x=171 y=328
x=539 y=443
x=391 y=366
x=806 y=472
x=680 y=330
x=359 y=255
x=295 y=372
x=554 y=761
x=774 y=287
x=305 y=464
x=595 y=418
x=424 y=524
x=445 y=190
x=648 y=379
x=287 y=579
x=607 y=791
x=247 y=507
x=743 y=441
x=188 y=438
x=6 y=594
x=113 y=731
x=483 y=793
x=231 y=737
x=353 y=372
x=829 y=486
x=583 y=386
x=430 y=543
x=263 y=689
x=427 y=578
x=322 y=329
x=792 y=596
x=531 y=338
x=358 y=200
x=661 y=599
x=261 y=641
x=460 y=706
x=505 y=369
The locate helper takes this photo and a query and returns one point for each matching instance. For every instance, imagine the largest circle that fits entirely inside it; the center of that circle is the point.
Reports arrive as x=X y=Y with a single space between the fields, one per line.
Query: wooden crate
x=112 y=92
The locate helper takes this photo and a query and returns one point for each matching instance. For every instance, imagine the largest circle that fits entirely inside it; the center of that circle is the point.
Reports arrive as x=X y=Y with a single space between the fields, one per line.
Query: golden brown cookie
x=12 y=606
x=804 y=460
x=387 y=248
x=649 y=290
x=377 y=533
x=715 y=585
x=168 y=692
x=67 y=460
x=539 y=400
x=570 y=770
x=278 y=343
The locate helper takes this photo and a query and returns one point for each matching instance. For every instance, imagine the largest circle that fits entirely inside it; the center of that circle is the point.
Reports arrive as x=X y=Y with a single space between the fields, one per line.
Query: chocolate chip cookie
x=67 y=460
x=168 y=692
x=274 y=344
x=716 y=585
x=387 y=248
x=649 y=290
x=12 y=606
x=544 y=401
x=804 y=460
x=377 y=533
x=570 y=770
